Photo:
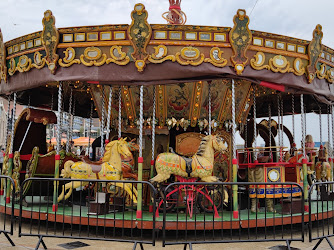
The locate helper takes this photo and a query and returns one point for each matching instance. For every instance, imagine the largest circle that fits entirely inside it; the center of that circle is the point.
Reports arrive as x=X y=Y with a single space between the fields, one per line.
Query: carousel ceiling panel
x=218 y=90
x=242 y=101
x=147 y=100
x=179 y=98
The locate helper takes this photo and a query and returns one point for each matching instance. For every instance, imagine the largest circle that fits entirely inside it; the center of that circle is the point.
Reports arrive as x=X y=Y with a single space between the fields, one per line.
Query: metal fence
x=197 y=213
x=7 y=207
x=95 y=210
x=321 y=212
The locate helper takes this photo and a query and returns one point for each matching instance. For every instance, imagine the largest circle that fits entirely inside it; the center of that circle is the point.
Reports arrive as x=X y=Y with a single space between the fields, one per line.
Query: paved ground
x=53 y=243
x=29 y=242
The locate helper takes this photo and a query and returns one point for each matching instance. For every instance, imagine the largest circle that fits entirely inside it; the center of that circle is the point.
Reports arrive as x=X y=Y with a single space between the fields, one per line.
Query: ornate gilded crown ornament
x=50 y=40
x=139 y=33
x=3 y=68
x=175 y=15
x=240 y=38
x=314 y=51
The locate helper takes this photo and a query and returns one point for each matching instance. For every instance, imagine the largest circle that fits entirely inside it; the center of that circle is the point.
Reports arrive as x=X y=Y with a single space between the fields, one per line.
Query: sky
x=296 y=18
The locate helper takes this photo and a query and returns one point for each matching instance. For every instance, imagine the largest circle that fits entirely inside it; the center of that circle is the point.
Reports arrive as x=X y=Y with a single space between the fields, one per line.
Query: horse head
x=123 y=148
x=132 y=145
x=218 y=143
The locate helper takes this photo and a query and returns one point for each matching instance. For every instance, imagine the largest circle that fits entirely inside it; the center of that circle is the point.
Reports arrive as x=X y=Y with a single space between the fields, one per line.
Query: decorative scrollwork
x=258 y=62
x=279 y=64
x=93 y=54
x=330 y=75
x=50 y=40
x=69 y=58
x=321 y=73
x=118 y=56
x=298 y=67
x=12 y=67
x=314 y=51
x=16 y=172
x=216 y=57
x=160 y=55
x=39 y=62
x=240 y=38
x=189 y=56
x=24 y=64
x=139 y=33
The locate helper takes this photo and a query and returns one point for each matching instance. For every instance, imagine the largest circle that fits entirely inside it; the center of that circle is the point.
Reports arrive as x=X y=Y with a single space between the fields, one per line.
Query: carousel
x=171 y=99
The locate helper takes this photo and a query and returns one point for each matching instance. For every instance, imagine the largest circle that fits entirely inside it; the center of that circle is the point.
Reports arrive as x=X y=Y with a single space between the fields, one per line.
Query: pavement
x=30 y=242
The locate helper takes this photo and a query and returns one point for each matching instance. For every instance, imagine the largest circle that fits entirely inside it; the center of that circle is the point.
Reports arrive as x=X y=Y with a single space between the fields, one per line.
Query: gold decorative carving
x=160 y=55
x=279 y=64
x=69 y=58
x=216 y=57
x=24 y=64
x=314 y=50
x=93 y=54
x=258 y=62
x=50 y=40
x=118 y=56
x=16 y=172
x=12 y=67
x=321 y=73
x=330 y=75
x=139 y=33
x=3 y=68
x=39 y=62
x=189 y=55
x=240 y=38
x=298 y=67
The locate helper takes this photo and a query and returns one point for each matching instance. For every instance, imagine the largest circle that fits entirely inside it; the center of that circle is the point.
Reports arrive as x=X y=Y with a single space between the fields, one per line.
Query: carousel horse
x=127 y=162
x=200 y=165
x=110 y=169
x=322 y=167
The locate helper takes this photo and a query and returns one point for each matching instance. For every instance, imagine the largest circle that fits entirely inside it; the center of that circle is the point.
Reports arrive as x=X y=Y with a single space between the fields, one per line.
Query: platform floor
x=130 y=214
x=25 y=242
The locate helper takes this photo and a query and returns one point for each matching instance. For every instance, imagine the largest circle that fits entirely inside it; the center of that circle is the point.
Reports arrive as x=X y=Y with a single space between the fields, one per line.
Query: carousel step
x=292 y=206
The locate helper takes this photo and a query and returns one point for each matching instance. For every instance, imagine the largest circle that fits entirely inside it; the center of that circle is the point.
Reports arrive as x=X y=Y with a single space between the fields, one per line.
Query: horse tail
x=66 y=172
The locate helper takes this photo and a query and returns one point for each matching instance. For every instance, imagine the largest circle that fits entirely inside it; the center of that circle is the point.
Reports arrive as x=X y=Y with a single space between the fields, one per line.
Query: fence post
x=305 y=184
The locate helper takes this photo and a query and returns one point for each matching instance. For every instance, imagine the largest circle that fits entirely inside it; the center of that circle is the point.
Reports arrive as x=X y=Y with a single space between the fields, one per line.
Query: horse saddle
x=188 y=161
x=96 y=166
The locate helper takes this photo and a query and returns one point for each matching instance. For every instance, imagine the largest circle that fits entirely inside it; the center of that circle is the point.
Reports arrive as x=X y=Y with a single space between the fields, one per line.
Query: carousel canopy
x=180 y=60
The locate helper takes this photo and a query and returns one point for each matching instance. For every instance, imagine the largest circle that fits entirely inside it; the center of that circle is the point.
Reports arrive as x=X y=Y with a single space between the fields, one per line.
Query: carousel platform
x=79 y=215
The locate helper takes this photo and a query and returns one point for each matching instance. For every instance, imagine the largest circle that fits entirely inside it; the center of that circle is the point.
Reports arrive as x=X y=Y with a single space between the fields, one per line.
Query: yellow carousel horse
x=200 y=165
x=110 y=169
